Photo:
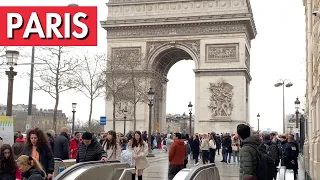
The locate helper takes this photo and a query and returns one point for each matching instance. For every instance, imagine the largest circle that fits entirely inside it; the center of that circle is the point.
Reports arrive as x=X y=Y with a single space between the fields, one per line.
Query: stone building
x=153 y=35
x=179 y=123
x=311 y=151
x=41 y=118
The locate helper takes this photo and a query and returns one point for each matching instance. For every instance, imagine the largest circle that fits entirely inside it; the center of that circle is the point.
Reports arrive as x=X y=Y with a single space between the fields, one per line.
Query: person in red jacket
x=74 y=143
x=177 y=153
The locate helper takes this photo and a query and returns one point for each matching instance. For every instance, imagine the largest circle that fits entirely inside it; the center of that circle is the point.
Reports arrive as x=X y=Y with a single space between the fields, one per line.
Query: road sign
x=28 y=126
x=103 y=120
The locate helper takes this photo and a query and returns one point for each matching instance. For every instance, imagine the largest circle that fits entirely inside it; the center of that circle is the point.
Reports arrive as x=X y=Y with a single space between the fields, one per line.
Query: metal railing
x=201 y=172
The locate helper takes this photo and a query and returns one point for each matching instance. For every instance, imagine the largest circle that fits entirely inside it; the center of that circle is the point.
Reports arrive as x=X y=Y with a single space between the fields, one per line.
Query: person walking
x=74 y=144
x=7 y=163
x=205 y=148
x=212 y=147
x=90 y=149
x=195 y=148
x=38 y=148
x=61 y=144
x=177 y=154
x=248 y=153
x=235 y=148
x=111 y=147
x=140 y=149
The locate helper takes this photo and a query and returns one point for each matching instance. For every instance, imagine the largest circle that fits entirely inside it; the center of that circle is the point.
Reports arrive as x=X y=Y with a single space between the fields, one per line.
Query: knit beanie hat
x=87 y=136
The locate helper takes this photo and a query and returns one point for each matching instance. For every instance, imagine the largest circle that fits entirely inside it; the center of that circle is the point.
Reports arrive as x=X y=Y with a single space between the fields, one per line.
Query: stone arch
x=174 y=52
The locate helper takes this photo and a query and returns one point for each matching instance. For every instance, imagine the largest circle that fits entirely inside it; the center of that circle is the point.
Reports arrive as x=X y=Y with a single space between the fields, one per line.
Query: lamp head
x=150 y=94
x=12 y=57
x=74 y=106
x=289 y=84
x=297 y=103
x=190 y=106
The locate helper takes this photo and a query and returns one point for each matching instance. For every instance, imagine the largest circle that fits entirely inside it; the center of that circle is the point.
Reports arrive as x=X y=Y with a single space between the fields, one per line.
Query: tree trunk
x=55 y=113
x=134 y=106
x=134 y=117
x=114 y=113
x=90 y=114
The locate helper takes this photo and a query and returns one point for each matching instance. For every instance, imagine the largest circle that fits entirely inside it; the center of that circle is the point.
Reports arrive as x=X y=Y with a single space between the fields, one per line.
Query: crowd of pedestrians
x=32 y=158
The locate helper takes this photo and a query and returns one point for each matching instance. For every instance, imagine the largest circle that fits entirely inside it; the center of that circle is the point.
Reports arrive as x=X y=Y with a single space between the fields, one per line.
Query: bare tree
x=90 y=78
x=56 y=73
x=116 y=82
x=136 y=89
x=94 y=127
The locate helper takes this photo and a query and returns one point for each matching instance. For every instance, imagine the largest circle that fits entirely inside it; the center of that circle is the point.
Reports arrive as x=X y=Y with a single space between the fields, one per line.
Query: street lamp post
x=74 y=106
x=190 y=117
x=124 y=111
x=150 y=98
x=258 y=118
x=12 y=58
x=297 y=105
x=283 y=83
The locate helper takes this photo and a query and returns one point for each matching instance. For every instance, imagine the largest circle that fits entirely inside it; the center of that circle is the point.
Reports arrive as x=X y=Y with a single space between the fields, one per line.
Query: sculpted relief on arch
x=221 y=99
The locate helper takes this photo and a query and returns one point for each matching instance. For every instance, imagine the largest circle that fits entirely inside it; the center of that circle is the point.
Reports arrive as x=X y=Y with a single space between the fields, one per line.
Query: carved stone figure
x=128 y=54
x=221 y=98
x=222 y=52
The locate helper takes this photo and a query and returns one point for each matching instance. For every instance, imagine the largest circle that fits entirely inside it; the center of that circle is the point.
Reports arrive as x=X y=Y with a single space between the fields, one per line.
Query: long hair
x=10 y=162
x=135 y=143
x=28 y=160
x=113 y=142
x=42 y=138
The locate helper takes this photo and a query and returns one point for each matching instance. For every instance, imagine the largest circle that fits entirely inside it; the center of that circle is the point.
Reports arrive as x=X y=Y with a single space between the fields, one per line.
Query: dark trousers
x=185 y=163
x=173 y=170
x=196 y=157
x=218 y=150
x=205 y=156
x=212 y=155
x=224 y=155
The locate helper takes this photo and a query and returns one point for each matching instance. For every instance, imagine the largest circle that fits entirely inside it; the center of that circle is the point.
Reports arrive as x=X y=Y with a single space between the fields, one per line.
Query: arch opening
x=166 y=59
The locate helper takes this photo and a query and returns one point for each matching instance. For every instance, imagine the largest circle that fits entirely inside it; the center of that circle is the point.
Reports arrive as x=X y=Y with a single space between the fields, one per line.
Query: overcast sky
x=278 y=52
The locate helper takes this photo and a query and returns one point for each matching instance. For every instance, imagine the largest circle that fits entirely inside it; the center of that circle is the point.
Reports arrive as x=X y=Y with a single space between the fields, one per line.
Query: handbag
x=127 y=157
x=235 y=148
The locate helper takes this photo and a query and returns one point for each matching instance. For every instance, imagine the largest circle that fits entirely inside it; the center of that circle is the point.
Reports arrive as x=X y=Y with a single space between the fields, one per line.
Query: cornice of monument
x=129 y=2
x=224 y=71
x=182 y=29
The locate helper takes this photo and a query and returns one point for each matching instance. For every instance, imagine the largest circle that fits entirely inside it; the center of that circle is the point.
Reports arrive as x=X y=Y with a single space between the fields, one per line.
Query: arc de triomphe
x=215 y=34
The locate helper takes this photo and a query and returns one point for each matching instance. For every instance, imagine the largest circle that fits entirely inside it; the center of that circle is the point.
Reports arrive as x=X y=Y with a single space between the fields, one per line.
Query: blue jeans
x=225 y=156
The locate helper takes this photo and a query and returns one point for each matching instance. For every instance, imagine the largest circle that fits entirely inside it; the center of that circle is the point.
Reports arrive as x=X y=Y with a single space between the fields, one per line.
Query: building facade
x=155 y=34
x=311 y=149
x=180 y=123
x=42 y=118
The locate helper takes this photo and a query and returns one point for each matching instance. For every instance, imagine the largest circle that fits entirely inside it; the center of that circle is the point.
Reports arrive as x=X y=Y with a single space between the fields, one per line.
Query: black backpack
x=266 y=168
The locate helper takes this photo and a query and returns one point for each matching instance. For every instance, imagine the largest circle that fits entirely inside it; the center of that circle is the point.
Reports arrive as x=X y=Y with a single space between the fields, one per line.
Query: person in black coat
x=90 y=149
x=195 y=148
x=61 y=145
x=226 y=148
x=7 y=163
x=218 y=143
x=38 y=148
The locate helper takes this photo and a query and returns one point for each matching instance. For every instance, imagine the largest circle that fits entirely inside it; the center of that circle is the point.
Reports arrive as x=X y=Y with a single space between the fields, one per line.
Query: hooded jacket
x=178 y=152
x=248 y=156
x=18 y=148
